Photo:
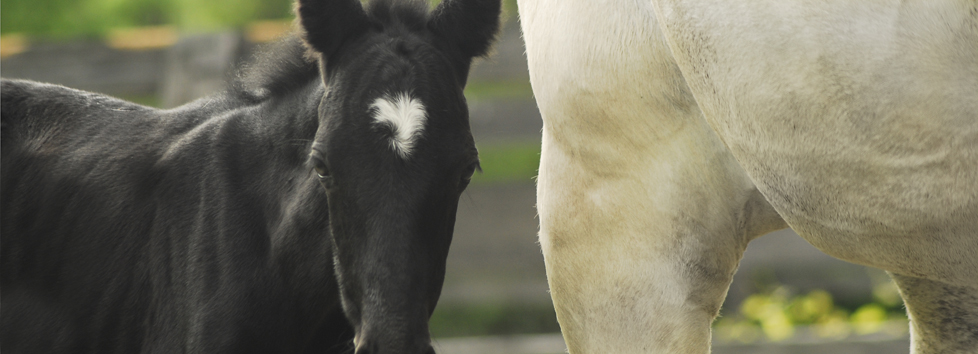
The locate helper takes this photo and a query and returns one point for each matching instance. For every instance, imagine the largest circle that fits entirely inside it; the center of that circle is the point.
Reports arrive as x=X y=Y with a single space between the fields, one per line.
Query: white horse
x=677 y=131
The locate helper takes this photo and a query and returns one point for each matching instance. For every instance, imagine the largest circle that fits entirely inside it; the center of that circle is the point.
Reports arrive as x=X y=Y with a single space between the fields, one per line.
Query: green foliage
x=73 y=18
x=776 y=314
x=92 y=18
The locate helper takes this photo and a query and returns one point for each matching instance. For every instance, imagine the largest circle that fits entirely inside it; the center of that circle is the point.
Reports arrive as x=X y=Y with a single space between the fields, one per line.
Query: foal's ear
x=326 y=24
x=471 y=25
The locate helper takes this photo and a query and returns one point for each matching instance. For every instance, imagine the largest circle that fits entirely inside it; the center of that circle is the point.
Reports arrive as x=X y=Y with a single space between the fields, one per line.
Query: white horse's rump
x=674 y=133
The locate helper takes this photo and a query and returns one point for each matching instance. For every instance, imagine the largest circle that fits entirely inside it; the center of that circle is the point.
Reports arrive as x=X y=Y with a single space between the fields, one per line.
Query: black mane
x=277 y=69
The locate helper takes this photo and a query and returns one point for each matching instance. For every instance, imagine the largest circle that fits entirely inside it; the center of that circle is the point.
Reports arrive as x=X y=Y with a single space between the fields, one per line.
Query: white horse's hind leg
x=944 y=318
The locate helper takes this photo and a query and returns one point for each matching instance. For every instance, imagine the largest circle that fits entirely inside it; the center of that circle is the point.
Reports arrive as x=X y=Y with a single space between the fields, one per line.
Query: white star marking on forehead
x=405 y=115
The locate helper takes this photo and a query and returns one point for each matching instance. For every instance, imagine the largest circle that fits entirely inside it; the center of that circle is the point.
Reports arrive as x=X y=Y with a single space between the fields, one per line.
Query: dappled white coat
x=677 y=131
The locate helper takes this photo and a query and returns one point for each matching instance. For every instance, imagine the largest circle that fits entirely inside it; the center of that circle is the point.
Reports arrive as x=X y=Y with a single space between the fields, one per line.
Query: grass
x=477 y=90
x=146 y=100
x=508 y=163
x=492 y=319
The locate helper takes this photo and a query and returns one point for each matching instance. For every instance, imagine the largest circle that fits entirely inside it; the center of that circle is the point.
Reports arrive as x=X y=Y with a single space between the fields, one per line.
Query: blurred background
x=787 y=297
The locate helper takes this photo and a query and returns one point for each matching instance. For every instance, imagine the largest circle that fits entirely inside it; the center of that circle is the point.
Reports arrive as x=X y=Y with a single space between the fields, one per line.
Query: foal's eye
x=322 y=171
x=324 y=178
x=319 y=166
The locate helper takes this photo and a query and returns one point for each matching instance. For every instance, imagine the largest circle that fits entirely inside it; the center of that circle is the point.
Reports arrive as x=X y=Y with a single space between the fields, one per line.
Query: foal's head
x=394 y=152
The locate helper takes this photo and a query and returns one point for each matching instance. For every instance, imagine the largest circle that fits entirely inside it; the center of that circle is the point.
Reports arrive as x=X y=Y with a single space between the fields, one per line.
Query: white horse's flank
x=677 y=131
